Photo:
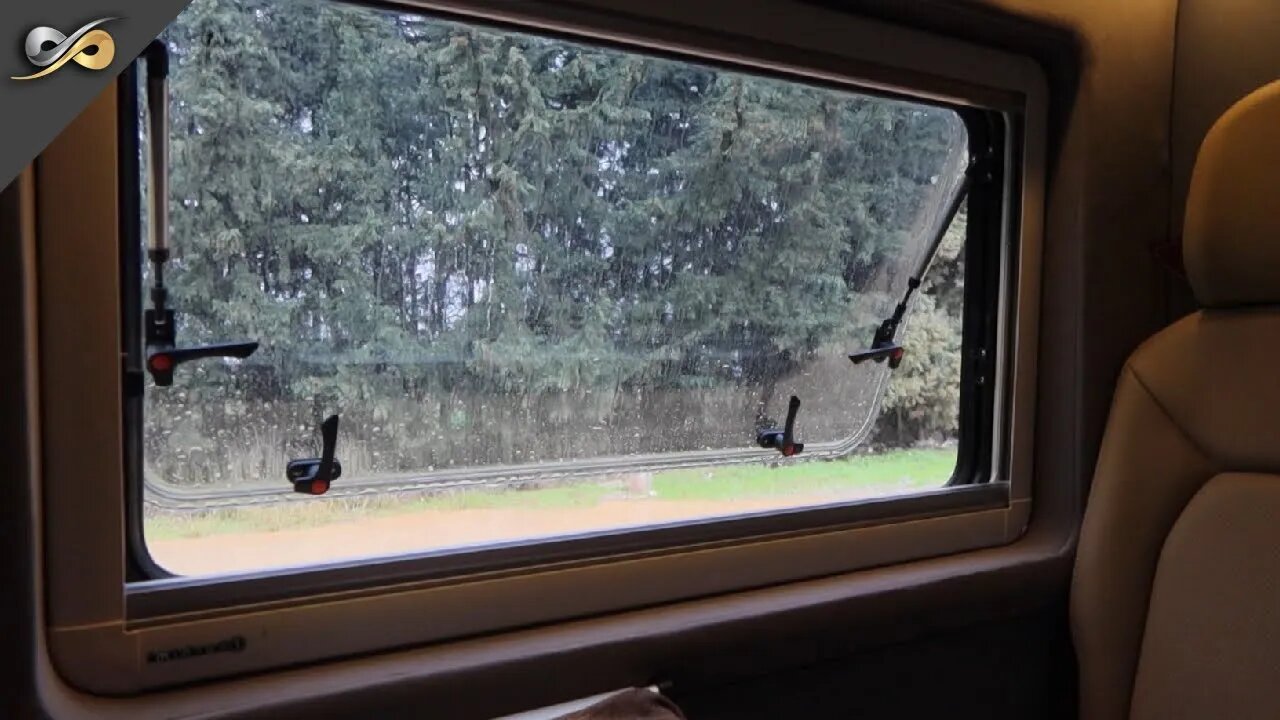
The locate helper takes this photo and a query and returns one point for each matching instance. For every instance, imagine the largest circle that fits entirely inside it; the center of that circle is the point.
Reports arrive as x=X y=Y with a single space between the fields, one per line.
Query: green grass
x=899 y=471
x=883 y=474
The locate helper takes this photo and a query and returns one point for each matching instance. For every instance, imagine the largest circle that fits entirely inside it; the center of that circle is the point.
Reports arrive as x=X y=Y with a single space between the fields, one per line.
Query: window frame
x=911 y=526
x=985 y=132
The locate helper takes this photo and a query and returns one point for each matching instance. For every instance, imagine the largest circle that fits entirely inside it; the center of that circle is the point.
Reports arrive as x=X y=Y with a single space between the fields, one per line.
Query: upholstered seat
x=1176 y=597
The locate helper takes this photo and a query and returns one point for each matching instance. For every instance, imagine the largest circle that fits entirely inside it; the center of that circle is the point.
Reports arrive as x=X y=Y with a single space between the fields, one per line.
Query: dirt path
x=432 y=529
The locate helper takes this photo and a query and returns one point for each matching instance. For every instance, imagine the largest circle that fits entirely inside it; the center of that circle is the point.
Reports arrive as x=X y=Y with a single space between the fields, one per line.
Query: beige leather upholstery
x=1231 y=238
x=1176 y=599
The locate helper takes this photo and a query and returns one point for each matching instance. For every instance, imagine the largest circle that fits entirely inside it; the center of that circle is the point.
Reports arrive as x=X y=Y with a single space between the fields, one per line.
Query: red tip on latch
x=898 y=353
x=160 y=362
x=319 y=487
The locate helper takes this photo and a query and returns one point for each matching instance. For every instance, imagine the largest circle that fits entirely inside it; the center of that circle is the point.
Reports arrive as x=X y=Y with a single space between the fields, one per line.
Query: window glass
x=548 y=288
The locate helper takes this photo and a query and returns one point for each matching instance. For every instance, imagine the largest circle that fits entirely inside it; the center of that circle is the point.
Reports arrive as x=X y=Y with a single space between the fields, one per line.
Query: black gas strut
x=163 y=356
x=885 y=346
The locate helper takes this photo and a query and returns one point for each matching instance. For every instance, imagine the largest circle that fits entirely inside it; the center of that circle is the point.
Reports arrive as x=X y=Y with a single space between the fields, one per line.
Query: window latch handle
x=784 y=441
x=162 y=361
x=312 y=476
x=892 y=352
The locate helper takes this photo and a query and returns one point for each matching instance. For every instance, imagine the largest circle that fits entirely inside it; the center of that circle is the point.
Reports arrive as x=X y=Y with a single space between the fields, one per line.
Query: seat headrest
x=1231 y=238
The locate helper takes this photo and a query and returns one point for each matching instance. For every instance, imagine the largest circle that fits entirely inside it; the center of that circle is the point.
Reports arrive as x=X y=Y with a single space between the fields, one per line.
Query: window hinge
x=980 y=367
x=982 y=169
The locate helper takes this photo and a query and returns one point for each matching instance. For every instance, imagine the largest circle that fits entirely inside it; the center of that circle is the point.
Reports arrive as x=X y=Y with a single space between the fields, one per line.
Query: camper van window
x=546 y=289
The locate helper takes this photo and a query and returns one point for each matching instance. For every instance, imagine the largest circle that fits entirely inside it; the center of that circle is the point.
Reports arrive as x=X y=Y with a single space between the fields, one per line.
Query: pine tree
x=477 y=245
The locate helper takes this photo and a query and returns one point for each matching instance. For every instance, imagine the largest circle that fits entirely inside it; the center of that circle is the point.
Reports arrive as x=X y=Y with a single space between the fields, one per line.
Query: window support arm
x=159 y=321
x=884 y=345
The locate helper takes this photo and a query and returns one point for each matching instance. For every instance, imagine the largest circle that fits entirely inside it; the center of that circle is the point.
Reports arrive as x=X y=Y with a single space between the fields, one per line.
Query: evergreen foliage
x=487 y=247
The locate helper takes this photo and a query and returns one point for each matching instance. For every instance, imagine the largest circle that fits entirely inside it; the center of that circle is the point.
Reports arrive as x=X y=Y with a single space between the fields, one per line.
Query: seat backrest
x=1175 y=603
